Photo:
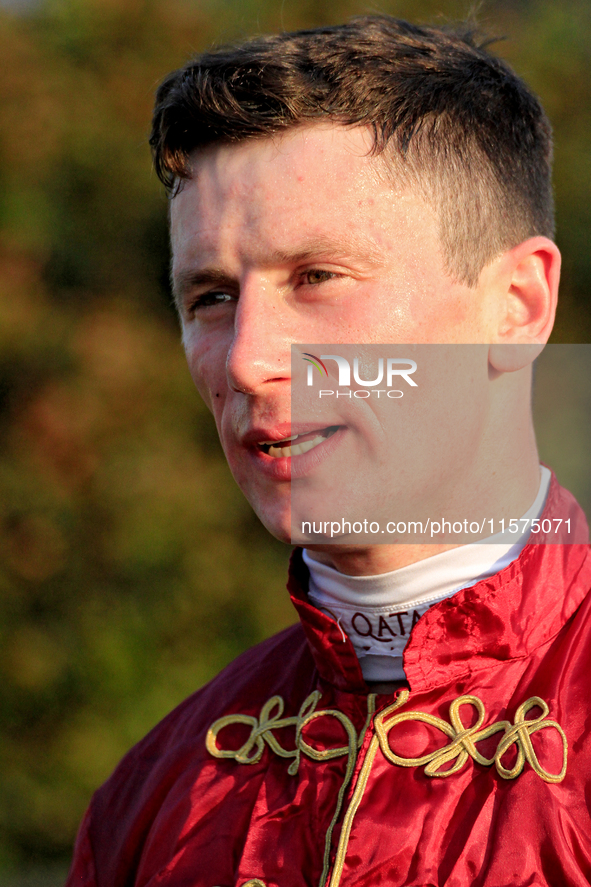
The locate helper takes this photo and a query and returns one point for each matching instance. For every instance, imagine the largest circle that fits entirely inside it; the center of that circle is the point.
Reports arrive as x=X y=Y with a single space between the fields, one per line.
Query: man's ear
x=527 y=278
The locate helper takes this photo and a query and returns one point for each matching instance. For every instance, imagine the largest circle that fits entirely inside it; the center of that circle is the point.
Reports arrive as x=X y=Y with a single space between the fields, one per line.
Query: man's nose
x=260 y=352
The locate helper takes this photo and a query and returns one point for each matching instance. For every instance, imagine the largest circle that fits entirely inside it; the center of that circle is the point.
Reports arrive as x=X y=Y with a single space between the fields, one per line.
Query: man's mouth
x=298 y=444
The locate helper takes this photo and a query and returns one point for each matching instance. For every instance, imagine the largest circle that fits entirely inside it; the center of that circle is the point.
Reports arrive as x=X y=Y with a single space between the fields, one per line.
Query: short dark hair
x=457 y=122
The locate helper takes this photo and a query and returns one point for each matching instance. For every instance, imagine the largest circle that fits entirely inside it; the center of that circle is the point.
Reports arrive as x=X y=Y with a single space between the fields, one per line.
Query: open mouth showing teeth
x=298 y=444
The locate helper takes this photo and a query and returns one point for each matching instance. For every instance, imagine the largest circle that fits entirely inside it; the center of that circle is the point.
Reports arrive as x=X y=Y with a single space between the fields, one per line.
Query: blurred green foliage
x=132 y=569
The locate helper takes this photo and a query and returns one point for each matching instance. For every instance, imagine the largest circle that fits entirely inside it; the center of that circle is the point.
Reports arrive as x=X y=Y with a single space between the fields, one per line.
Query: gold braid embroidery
x=270 y=719
x=371 y=707
x=462 y=746
x=339 y=861
x=519 y=733
x=463 y=741
x=254 y=882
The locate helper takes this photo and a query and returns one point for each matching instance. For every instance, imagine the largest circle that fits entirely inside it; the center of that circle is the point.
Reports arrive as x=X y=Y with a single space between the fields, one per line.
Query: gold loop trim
x=254 y=882
x=271 y=719
x=461 y=747
x=463 y=740
x=262 y=731
x=463 y=744
x=362 y=780
x=519 y=733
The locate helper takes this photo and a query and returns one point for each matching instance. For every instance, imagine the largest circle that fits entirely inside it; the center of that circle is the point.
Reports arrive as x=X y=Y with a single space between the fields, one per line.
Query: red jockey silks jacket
x=285 y=771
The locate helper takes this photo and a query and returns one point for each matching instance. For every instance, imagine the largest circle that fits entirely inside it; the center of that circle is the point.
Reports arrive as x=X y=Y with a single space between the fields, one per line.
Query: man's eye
x=316 y=275
x=206 y=300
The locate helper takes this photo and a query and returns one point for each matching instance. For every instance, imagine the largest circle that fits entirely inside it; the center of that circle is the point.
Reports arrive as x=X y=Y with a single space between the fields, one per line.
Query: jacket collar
x=504 y=617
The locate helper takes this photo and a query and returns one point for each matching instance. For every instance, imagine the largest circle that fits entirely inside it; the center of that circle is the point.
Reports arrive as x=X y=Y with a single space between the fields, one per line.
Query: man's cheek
x=215 y=396
x=205 y=376
x=203 y=389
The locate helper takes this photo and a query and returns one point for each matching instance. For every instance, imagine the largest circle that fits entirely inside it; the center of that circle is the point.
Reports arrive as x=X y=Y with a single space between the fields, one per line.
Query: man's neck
x=511 y=499
x=372 y=560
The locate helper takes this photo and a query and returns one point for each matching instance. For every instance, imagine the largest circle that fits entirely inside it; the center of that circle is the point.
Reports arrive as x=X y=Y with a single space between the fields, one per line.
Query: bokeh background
x=131 y=568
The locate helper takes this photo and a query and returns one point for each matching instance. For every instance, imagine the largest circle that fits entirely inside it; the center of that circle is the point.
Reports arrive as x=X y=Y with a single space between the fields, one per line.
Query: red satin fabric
x=174 y=816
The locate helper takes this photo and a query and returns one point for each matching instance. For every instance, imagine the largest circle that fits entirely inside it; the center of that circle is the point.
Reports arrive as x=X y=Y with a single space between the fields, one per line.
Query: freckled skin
x=269 y=212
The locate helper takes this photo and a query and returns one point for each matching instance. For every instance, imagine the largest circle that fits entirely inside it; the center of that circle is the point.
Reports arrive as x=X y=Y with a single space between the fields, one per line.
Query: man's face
x=303 y=238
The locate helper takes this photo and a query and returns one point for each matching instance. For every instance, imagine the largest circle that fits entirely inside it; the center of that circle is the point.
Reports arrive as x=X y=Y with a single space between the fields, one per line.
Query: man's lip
x=290 y=468
x=284 y=432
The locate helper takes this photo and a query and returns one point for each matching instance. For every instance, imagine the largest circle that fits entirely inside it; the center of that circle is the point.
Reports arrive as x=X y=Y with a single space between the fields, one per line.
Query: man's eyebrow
x=318 y=248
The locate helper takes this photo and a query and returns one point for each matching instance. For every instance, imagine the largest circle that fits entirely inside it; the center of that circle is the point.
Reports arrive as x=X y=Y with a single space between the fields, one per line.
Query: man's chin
x=278 y=525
